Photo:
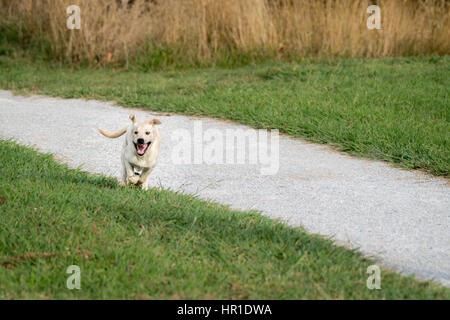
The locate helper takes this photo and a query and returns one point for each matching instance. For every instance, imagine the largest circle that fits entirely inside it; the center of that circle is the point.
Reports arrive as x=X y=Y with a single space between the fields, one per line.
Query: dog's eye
x=147 y=133
x=135 y=132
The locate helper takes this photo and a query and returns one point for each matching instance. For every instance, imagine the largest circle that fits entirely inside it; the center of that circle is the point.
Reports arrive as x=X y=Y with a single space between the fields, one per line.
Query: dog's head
x=143 y=134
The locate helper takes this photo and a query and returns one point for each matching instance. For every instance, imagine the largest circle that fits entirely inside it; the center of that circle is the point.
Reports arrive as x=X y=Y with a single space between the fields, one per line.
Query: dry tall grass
x=206 y=31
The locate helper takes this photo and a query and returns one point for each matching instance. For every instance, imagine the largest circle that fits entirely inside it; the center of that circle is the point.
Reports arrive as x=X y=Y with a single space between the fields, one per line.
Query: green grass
x=130 y=243
x=390 y=109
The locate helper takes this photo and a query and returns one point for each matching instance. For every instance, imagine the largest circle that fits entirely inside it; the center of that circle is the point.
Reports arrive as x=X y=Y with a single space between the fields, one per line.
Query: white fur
x=131 y=161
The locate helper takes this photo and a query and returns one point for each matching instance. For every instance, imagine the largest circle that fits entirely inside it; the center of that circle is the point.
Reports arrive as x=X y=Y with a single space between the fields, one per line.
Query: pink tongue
x=141 y=148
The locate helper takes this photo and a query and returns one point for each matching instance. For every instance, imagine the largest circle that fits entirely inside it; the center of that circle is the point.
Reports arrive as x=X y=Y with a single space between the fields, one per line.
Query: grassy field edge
x=162 y=244
x=392 y=110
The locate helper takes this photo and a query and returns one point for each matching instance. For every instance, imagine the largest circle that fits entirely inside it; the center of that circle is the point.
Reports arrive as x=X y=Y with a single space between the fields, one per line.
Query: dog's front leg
x=131 y=177
x=143 y=180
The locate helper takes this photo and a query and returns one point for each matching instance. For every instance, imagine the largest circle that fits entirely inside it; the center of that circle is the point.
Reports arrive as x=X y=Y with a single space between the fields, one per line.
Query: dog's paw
x=122 y=183
x=133 y=179
x=144 y=186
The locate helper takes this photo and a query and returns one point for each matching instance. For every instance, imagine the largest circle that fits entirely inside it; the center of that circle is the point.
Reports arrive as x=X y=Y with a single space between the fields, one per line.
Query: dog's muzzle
x=141 y=148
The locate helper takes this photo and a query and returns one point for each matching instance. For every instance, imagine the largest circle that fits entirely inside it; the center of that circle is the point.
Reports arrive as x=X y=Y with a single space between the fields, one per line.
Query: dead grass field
x=205 y=32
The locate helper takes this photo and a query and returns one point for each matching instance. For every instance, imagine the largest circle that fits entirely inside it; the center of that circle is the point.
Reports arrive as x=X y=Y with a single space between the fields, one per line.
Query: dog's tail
x=113 y=135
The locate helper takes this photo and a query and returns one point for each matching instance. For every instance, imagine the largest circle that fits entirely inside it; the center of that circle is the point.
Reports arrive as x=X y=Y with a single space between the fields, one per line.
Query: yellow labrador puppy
x=140 y=150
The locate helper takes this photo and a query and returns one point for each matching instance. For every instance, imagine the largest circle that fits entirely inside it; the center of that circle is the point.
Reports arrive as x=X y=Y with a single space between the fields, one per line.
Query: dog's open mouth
x=141 y=148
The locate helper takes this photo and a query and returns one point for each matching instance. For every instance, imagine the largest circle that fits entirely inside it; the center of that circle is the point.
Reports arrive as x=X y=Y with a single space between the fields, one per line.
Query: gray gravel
x=400 y=217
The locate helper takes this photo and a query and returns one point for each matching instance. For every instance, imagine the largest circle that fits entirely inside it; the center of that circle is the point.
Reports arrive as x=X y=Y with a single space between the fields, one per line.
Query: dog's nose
x=140 y=141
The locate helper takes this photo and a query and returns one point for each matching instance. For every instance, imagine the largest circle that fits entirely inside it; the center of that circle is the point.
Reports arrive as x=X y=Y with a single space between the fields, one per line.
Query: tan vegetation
x=206 y=31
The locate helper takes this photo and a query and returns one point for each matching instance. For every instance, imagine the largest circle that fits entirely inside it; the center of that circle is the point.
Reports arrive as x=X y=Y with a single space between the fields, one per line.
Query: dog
x=140 y=150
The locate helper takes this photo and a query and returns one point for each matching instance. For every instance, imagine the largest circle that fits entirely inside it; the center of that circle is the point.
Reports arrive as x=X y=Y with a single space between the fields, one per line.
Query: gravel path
x=400 y=217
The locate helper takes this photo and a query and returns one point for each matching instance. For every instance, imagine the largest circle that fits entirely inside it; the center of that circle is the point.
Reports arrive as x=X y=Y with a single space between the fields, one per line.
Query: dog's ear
x=154 y=121
x=133 y=118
